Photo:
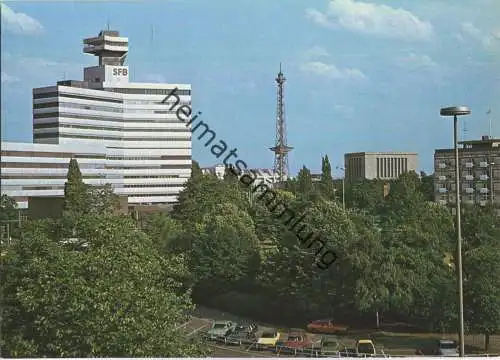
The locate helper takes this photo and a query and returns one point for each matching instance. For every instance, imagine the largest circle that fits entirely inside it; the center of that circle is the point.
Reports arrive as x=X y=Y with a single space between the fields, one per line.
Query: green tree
x=8 y=208
x=196 y=169
x=304 y=182
x=427 y=185
x=326 y=183
x=366 y=195
x=202 y=193
x=224 y=250
x=166 y=232
x=118 y=298
x=102 y=200
x=9 y=213
x=76 y=200
x=481 y=234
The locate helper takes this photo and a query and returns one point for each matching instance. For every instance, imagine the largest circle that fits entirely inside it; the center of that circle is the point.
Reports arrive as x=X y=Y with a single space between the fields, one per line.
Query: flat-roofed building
x=40 y=170
x=379 y=165
x=127 y=128
x=479 y=164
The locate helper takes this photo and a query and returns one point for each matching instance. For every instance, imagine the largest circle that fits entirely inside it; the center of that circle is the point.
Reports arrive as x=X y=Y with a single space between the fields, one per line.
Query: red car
x=326 y=326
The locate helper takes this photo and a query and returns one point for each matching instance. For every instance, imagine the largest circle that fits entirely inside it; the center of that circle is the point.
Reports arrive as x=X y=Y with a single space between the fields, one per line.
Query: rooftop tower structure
x=281 y=148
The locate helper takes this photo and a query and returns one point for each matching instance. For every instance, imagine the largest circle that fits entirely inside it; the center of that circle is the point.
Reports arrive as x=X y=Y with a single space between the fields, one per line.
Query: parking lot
x=202 y=321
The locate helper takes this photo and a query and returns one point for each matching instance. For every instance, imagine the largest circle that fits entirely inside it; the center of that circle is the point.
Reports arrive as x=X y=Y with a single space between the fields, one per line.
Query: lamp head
x=455 y=111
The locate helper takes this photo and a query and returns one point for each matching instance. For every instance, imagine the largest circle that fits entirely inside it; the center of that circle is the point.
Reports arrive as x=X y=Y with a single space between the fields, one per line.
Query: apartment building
x=479 y=164
x=145 y=150
x=379 y=165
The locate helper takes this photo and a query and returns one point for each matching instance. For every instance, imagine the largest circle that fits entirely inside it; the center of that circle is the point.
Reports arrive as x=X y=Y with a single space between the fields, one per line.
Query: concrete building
x=378 y=165
x=479 y=162
x=122 y=127
x=267 y=175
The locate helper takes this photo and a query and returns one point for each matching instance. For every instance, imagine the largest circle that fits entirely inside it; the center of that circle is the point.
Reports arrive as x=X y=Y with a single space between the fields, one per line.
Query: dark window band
x=73 y=96
x=148 y=91
x=109 y=128
x=103 y=118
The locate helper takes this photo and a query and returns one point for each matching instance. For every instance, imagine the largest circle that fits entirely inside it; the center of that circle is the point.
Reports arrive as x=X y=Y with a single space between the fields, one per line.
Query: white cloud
x=332 y=71
x=313 y=65
x=316 y=52
x=35 y=71
x=372 y=19
x=488 y=40
x=19 y=23
x=416 y=61
x=6 y=78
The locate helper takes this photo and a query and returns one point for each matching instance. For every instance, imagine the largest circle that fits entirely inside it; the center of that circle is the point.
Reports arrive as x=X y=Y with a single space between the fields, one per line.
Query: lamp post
x=343 y=186
x=456 y=111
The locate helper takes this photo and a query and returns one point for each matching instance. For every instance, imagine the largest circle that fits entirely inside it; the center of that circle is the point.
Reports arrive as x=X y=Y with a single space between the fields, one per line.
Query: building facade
x=145 y=151
x=379 y=165
x=479 y=164
x=268 y=176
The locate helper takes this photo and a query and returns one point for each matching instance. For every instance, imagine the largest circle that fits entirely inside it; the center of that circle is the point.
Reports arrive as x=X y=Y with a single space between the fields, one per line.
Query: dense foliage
x=115 y=290
x=91 y=284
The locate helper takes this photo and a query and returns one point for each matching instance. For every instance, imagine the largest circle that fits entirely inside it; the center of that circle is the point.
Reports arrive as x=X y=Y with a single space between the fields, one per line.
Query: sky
x=361 y=75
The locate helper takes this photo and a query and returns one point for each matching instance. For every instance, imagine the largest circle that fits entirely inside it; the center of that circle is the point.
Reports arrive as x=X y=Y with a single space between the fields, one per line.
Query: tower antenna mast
x=281 y=147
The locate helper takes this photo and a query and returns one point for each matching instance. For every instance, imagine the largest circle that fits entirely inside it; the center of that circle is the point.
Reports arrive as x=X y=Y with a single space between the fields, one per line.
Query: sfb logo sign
x=120 y=71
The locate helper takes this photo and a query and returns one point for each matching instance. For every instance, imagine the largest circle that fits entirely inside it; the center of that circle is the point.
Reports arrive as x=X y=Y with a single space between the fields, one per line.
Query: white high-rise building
x=148 y=150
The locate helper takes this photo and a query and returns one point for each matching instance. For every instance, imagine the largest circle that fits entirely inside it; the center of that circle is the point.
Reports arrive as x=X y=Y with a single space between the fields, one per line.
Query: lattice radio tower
x=281 y=148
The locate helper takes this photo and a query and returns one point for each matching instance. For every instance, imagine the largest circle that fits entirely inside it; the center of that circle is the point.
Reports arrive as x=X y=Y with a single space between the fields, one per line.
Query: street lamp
x=456 y=111
x=343 y=186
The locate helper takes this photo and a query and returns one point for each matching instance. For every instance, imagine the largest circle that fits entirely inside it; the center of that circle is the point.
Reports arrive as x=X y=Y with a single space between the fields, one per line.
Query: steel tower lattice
x=281 y=147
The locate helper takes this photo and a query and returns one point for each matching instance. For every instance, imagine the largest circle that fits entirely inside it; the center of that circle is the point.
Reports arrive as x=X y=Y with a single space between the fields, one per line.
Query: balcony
x=483 y=164
x=443 y=190
x=469 y=165
x=442 y=178
x=484 y=190
x=483 y=177
x=469 y=177
x=469 y=190
x=442 y=166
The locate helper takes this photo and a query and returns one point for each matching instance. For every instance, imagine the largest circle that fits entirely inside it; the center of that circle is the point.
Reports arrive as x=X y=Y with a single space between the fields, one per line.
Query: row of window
x=119 y=119
x=107 y=128
x=151 y=157
x=56 y=94
x=148 y=91
x=152 y=167
x=57 y=134
x=62 y=104
x=128 y=186
x=391 y=167
x=468 y=164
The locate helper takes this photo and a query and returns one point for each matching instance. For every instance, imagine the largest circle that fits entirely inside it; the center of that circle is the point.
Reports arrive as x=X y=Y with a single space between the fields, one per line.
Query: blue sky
x=361 y=75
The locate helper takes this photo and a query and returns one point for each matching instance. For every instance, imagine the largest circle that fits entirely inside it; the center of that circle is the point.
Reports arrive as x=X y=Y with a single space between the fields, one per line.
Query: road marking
x=196 y=330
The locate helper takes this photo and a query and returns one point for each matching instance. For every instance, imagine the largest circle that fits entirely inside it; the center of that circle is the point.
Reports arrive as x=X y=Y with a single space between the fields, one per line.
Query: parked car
x=242 y=334
x=365 y=347
x=330 y=345
x=298 y=343
x=442 y=347
x=220 y=329
x=326 y=326
x=268 y=339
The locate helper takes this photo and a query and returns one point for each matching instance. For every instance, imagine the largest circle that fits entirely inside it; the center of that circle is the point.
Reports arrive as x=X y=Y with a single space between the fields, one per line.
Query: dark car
x=243 y=333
